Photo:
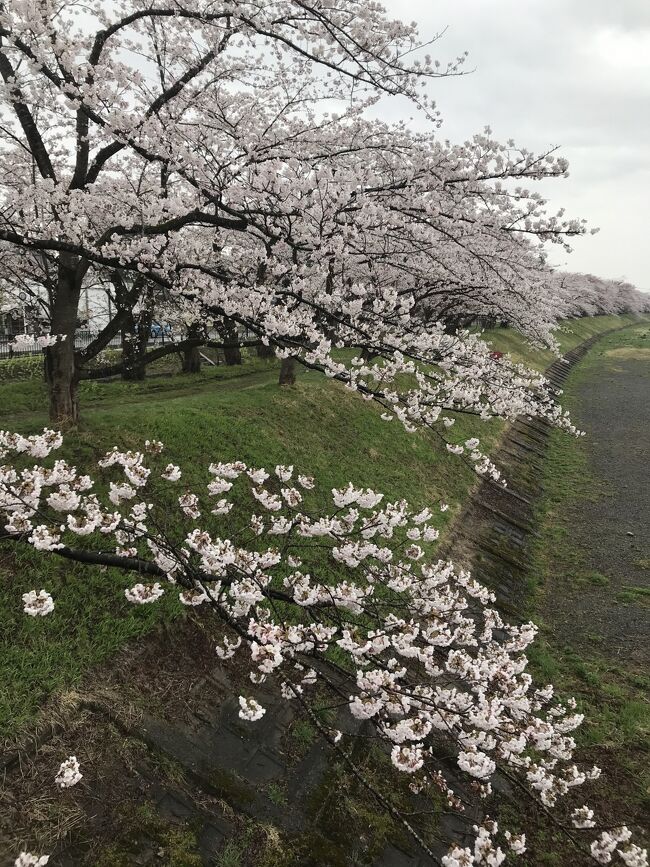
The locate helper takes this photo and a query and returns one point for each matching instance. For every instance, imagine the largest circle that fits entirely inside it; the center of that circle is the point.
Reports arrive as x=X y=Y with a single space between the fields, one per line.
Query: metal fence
x=82 y=339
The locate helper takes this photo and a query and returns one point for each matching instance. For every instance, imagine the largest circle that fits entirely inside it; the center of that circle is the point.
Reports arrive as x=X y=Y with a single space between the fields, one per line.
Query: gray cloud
x=554 y=72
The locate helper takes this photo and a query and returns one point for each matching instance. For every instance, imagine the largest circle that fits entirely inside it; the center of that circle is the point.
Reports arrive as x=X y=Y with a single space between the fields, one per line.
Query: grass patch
x=633 y=594
x=570 y=333
x=318 y=425
x=223 y=413
x=276 y=794
x=593 y=578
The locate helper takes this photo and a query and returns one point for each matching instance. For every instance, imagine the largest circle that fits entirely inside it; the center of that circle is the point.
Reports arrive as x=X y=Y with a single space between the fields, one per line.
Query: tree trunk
x=134 y=346
x=192 y=360
x=287 y=371
x=232 y=355
x=265 y=352
x=62 y=380
x=61 y=369
x=231 y=352
x=452 y=323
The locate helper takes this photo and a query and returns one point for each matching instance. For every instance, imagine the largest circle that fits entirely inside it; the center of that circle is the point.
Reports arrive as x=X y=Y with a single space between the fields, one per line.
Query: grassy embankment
x=222 y=413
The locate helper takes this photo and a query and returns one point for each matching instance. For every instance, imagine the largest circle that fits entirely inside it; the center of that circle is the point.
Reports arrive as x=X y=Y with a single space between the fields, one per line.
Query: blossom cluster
x=69 y=774
x=430 y=659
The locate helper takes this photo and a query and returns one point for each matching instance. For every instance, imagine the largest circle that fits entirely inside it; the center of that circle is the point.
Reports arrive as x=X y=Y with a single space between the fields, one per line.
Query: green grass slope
x=220 y=414
x=319 y=426
x=570 y=333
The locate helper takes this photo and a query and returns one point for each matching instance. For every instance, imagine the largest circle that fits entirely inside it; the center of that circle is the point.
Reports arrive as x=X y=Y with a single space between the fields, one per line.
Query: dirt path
x=609 y=524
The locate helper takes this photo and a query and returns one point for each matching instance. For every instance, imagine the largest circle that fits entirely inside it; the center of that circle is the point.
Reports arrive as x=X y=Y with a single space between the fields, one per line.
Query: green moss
x=302 y=735
x=228 y=786
x=141 y=828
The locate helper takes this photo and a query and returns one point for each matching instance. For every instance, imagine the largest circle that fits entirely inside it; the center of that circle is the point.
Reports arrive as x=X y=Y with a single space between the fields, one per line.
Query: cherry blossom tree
x=218 y=157
x=103 y=150
x=340 y=593
x=588 y=295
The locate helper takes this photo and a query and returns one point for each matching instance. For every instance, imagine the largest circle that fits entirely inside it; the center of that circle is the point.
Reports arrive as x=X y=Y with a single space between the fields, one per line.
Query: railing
x=82 y=339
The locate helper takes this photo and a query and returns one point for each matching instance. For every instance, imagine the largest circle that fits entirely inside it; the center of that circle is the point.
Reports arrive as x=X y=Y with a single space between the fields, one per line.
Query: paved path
x=611 y=525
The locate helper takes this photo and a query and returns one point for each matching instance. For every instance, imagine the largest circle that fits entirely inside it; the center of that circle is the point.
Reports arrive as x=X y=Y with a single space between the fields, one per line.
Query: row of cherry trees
x=588 y=295
x=213 y=163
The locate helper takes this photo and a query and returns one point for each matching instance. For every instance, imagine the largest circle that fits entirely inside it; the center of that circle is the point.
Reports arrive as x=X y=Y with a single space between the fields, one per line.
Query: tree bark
x=61 y=368
x=265 y=352
x=134 y=346
x=287 y=371
x=192 y=360
x=231 y=351
x=192 y=357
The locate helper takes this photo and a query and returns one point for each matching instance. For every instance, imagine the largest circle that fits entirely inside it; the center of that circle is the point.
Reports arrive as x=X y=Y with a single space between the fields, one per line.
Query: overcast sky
x=575 y=73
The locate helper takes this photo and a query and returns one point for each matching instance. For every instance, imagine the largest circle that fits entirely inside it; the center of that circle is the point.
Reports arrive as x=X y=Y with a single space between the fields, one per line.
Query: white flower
x=517 y=842
x=120 y=492
x=140 y=594
x=582 y=817
x=422 y=516
x=407 y=759
x=222 y=507
x=292 y=496
x=219 y=486
x=69 y=774
x=64 y=500
x=227 y=471
x=284 y=473
x=171 y=473
x=634 y=856
x=38 y=604
x=26 y=859
x=269 y=501
x=193 y=597
x=189 y=505
x=43 y=539
x=229 y=648
x=430 y=534
x=458 y=858
x=82 y=525
x=477 y=764
x=18 y=524
x=258 y=476
x=414 y=552
x=250 y=710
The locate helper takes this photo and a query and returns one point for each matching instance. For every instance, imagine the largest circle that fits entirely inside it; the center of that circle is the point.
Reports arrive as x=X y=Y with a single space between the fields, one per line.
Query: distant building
x=11 y=323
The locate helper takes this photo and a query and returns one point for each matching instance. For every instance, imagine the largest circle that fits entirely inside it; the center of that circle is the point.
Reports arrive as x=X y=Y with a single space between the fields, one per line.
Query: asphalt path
x=610 y=528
